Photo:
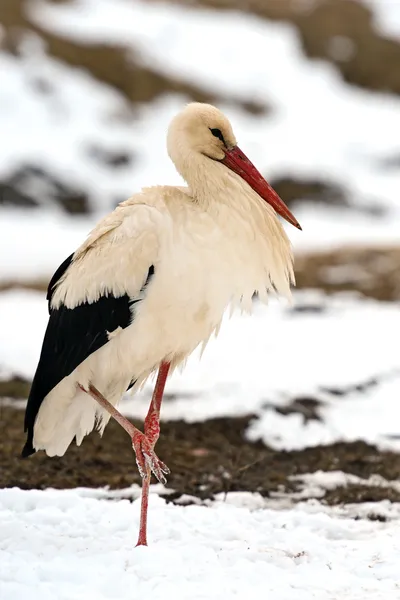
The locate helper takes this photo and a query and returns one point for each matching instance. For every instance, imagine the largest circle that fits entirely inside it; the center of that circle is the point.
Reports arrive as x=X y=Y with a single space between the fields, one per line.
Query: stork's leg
x=145 y=454
x=142 y=443
x=152 y=420
x=152 y=432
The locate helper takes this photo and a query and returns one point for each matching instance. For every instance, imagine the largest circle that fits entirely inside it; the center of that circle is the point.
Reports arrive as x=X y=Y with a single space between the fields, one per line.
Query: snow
x=386 y=17
x=341 y=421
x=47 y=239
x=59 y=544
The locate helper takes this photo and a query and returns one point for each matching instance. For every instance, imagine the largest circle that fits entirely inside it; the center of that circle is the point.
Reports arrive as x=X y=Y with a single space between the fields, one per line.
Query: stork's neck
x=225 y=195
x=245 y=220
x=211 y=183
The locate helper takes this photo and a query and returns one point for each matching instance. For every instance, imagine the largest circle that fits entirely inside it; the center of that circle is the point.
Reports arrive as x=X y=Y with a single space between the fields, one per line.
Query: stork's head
x=203 y=130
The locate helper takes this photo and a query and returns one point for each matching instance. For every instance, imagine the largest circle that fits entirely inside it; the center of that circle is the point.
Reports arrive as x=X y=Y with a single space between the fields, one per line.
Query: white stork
x=151 y=282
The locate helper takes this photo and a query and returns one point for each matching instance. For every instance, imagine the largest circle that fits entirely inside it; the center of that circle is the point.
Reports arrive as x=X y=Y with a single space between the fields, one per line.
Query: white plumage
x=212 y=244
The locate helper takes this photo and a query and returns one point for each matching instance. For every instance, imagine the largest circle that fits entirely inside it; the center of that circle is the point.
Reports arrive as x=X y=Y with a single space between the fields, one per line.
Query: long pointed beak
x=238 y=162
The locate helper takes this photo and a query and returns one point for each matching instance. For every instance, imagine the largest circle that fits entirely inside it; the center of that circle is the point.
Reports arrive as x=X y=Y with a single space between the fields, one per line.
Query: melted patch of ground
x=38 y=285
x=371 y=271
x=306 y=406
x=355 y=494
x=294 y=191
x=205 y=459
x=15 y=387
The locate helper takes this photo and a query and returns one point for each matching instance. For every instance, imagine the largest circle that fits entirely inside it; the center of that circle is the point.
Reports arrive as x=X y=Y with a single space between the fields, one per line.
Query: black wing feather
x=71 y=336
x=56 y=277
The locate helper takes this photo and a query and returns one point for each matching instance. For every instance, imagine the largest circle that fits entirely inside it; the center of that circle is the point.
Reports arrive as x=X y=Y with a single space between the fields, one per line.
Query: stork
x=150 y=284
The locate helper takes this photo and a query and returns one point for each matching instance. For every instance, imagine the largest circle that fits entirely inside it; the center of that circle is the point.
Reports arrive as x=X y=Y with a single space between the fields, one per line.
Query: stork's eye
x=217 y=133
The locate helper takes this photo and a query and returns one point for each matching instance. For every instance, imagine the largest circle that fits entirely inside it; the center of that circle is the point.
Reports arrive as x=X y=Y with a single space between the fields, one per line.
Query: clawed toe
x=146 y=459
x=157 y=467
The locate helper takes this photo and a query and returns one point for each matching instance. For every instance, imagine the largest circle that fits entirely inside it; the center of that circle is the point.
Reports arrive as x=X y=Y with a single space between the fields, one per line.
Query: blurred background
x=312 y=87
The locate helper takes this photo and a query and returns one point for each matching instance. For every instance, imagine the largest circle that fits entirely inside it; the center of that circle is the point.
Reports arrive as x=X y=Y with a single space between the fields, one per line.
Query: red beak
x=238 y=162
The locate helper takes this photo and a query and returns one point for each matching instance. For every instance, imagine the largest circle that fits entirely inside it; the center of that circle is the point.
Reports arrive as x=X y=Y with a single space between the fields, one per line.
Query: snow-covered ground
x=72 y=545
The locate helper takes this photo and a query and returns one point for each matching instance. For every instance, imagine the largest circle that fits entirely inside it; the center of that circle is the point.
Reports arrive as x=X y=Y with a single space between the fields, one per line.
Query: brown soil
x=306 y=406
x=294 y=191
x=15 y=387
x=371 y=271
x=39 y=285
x=205 y=459
x=355 y=493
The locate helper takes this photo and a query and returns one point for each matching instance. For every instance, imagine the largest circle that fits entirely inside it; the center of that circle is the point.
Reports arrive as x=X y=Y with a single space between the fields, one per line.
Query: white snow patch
x=33 y=245
x=386 y=16
x=314 y=487
x=63 y=545
x=371 y=416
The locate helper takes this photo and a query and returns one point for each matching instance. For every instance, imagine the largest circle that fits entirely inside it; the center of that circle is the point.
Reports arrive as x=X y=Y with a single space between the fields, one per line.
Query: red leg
x=143 y=448
x=142 y=539
x=152 y=420
x=143 y=444
x=152 y=432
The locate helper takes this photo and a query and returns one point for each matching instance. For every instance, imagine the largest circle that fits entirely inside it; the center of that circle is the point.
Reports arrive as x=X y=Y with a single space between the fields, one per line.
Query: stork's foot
x=146 y=457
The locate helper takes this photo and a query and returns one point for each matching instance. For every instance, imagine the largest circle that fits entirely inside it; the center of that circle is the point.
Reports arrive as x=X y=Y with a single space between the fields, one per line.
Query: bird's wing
x=115 y=258
x=93 y=293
